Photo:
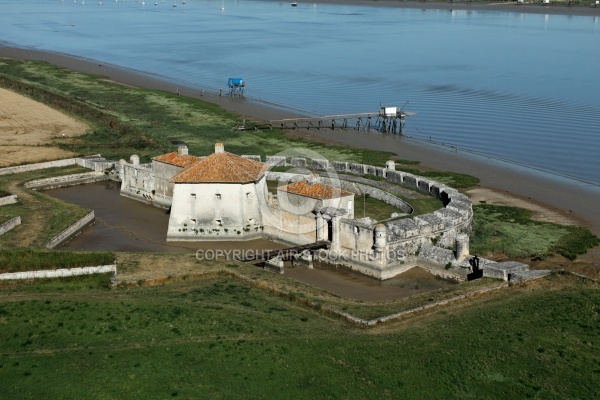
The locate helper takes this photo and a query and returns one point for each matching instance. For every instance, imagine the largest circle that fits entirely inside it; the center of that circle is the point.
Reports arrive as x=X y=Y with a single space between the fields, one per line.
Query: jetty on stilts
x=386 y=120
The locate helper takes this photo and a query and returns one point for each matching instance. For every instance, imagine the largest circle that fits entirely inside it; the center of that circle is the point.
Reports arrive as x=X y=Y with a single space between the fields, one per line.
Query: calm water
x=522 y=87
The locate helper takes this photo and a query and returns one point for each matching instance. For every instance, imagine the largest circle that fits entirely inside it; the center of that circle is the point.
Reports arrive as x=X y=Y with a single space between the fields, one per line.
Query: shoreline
x=554 y=8
x=569 y=197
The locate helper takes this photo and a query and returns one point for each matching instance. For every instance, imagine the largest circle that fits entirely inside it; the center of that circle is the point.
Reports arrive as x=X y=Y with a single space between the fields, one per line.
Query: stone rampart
x=10 y=224
x=37 y=166
x=71 y=231
x=60 y=273
x=11 y=199
x=66 y=180
x=434 y=233
x=49 y=164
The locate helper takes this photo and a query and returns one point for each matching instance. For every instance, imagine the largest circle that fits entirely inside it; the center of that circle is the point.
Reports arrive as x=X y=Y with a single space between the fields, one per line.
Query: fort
x=226 y=197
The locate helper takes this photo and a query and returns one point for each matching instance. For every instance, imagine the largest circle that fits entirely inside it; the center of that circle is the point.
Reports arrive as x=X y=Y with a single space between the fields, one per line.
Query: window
x=193 y=220
x=248 y=195
x=218 y=196
x=219 y=222
x=194 y=196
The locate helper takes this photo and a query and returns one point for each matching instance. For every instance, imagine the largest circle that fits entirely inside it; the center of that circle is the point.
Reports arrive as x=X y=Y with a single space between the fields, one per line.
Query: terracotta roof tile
x=222 y=168
x=317 y=191
x=177 y=160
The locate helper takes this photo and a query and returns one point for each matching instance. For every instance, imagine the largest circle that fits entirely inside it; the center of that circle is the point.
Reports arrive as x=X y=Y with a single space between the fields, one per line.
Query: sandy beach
x=572 y=200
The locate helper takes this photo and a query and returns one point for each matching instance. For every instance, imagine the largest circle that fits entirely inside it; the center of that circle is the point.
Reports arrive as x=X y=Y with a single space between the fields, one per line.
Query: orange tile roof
x=177 y=160
x=222 y=168
x=317 y=191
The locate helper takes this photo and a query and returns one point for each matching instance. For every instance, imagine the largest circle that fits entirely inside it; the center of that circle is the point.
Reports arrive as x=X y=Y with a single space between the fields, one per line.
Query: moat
x=125 y=225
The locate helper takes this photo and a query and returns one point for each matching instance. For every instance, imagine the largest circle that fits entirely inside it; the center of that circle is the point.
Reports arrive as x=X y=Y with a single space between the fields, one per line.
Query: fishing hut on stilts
x=237 y=87
x=386 y=120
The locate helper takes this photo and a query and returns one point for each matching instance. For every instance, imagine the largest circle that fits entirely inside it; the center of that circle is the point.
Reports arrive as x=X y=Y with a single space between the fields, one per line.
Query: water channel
x=125 y=225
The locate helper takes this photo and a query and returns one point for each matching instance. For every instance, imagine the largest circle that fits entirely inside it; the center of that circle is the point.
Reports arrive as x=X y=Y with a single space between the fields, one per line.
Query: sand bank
x=574 y=200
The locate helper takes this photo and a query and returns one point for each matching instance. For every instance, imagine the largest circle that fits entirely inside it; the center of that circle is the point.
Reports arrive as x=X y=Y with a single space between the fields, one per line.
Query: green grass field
x=28 y=259
x=510 y=230
x=220 y=338
x=42 y=216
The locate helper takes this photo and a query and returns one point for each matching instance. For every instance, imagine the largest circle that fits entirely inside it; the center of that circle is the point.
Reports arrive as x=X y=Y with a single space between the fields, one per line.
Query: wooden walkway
x=361 y=121
x=287 y=253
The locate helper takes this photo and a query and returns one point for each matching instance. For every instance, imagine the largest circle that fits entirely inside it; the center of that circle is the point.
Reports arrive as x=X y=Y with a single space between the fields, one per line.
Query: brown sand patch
x=27 y=123
x=539 y=211
x=11 y=155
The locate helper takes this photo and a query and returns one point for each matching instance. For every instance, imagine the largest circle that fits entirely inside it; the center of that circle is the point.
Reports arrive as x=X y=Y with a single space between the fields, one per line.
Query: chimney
x=182 y=151
x=219 y=148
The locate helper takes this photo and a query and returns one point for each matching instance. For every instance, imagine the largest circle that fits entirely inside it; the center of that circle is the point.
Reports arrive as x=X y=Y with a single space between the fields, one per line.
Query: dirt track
x=28 y=130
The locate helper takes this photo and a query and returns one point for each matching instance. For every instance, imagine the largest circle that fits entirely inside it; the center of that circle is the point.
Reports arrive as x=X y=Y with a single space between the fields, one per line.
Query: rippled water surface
x=522 y=87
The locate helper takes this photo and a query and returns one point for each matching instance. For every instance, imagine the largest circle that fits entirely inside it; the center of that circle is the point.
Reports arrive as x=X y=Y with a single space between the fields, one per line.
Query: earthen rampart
x=71 y=231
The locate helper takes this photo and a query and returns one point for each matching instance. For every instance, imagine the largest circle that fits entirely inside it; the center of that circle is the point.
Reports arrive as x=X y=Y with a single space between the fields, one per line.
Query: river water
x=521 y=87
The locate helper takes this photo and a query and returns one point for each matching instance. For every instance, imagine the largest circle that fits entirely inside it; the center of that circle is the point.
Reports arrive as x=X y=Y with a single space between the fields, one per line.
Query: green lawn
x=42 y=216
x=510 y=230
x=219 y=338
x=27 y=259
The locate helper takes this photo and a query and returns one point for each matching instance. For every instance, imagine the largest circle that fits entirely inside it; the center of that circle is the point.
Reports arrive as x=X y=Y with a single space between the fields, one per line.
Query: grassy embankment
x=511 y=231
x=218 y=338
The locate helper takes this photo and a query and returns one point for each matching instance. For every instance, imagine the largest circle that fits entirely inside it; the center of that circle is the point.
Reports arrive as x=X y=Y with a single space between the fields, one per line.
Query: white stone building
x=151 y=182
x=308 y=211
x=218 y=198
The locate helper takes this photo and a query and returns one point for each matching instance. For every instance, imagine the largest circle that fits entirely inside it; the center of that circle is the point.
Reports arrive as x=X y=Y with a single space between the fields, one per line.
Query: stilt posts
x=388 y=120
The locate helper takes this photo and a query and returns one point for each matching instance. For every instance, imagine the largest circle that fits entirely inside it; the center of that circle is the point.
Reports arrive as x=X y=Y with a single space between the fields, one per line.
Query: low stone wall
x=96 y=163
x=65 y=180
x=502 y=270
x=34 y=167
x=12 y=199
x=60 y=273
x=10 y=224
x=71 y=231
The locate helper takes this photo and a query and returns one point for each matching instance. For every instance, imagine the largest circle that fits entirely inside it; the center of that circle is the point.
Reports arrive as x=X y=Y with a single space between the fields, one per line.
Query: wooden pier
x=387 y=120
x=285 y=254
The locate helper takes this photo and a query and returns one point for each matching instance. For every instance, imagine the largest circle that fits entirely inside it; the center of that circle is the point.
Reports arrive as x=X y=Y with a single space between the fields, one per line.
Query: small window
x=218 y=196
x=248 y=195
x=193 y=220
x=219 y=222
x=194 y=196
